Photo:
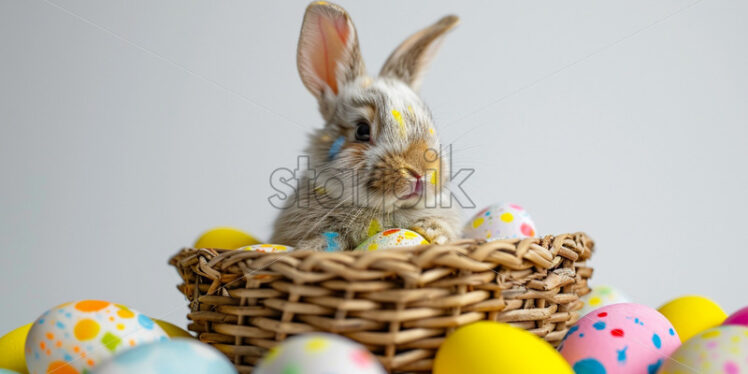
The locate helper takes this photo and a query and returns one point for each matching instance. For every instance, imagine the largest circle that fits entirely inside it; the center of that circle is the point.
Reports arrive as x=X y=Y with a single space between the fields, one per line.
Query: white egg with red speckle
x=500 y=221
x=71 y=338
x=318 y=353
x=392 y=238
x=267 y=248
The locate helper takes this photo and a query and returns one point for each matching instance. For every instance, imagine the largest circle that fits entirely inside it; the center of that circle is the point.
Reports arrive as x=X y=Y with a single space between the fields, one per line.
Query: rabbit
x=376 y=163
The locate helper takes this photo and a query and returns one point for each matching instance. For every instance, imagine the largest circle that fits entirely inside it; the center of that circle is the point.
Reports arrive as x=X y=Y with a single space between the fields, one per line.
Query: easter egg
x=500 y=221
x=12 y=344
x=225 y=238
x=739 y=318
x=691 y=315
x=73 y=337
x=173 y=331
x=267 y=248
x=601 y=296
x=170 y=356
x=497 y=348
x=318 y=353
x=722 y=349
x=392 y=238
x=620 y=338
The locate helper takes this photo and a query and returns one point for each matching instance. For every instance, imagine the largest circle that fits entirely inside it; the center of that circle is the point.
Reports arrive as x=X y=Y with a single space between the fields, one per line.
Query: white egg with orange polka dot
x=318 y=353
x=392 y=238
x=71 y=338
x=500 y=221
x=601 y=296
x=267 y=248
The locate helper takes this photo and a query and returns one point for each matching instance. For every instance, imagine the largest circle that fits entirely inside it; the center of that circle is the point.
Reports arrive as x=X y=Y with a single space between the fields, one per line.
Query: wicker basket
x=400 y=303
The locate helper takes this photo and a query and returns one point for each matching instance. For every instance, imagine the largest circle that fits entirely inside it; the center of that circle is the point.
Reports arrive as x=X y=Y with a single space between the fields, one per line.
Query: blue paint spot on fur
x=599 y=325
x=332 y=241
x=656 y=341
x=589 y=366
x=336 y=146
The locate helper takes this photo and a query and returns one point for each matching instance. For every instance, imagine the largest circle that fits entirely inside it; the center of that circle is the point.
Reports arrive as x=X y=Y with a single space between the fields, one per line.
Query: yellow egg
x=12 y=345
x=691 y=315
x=172 y=330
x=225 y=238
x=497 y=348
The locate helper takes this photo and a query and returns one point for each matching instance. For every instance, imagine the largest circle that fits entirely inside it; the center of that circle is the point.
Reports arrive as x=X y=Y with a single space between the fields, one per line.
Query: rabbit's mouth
x=416 y=187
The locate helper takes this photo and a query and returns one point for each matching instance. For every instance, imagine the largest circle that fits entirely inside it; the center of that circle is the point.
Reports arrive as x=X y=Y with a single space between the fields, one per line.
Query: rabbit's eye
x=363 y=132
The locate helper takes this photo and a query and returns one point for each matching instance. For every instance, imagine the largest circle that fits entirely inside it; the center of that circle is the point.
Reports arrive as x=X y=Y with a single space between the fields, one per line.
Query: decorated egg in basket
x=319 y=353
x=74 y=337
x=620 y=338
x=392 y=238
x=500 y=221
x=267 y=248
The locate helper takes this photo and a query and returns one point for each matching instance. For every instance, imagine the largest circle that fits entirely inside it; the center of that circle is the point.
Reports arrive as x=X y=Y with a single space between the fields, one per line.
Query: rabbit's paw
x=435 y=230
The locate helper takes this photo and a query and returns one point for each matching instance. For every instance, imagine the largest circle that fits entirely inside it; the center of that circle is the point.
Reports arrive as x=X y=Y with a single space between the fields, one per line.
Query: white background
x=129 y=127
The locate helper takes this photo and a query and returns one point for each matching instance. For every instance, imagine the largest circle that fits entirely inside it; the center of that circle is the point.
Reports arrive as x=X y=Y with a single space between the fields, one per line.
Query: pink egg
x=738 y=318
x=620 y=338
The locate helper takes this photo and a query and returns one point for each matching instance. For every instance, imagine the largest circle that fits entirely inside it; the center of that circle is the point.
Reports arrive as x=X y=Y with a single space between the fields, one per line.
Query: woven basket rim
x=523 y=247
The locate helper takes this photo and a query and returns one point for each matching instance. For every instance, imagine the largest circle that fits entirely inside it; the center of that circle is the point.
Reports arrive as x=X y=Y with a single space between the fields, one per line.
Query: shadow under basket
x=400 y=303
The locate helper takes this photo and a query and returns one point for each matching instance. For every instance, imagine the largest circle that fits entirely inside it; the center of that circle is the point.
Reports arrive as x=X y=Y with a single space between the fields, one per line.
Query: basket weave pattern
x=400 y=303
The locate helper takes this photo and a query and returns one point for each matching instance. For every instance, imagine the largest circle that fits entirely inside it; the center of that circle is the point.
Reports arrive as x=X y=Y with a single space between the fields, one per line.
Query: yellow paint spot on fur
x=432 y=131
x=434 y=177
x=410 y=109
x=320 y=190
x=399 y=119
x=374 y=227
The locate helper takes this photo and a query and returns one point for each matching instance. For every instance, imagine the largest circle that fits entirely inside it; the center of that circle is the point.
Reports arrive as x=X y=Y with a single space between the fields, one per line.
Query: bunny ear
x=328 y=54
x=411 y=58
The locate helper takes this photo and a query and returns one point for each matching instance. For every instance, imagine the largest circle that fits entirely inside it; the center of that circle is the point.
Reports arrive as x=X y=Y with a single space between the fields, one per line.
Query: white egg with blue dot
x=172 y=356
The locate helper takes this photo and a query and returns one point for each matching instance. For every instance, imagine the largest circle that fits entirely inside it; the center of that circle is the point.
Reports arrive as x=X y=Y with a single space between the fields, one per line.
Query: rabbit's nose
x=414 y=173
